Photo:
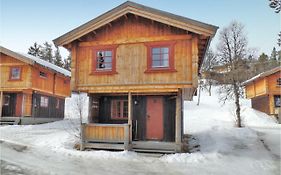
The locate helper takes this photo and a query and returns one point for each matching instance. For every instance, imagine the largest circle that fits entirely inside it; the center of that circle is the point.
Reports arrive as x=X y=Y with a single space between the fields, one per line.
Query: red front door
x=154 y=118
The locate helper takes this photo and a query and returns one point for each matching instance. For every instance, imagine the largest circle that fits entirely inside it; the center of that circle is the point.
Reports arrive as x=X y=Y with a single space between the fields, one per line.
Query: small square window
x=15 y=73
x=44 y=101
x=43 y=74
x=104 y=60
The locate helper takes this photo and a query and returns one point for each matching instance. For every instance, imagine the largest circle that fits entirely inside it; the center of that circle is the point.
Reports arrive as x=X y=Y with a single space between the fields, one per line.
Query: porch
x=151 y=123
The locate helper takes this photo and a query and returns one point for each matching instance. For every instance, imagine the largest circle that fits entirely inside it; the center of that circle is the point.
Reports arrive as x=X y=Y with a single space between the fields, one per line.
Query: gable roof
x=139 y=10
x=263 y=74
x=29 y=59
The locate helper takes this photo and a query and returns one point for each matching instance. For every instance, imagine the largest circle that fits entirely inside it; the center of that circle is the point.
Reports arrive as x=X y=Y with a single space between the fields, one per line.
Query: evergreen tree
x=67 y=63
x=47 y=52
x=57 y=58
x=273 y=56
x=35 y=50
x=275 y=4
x=263 y=58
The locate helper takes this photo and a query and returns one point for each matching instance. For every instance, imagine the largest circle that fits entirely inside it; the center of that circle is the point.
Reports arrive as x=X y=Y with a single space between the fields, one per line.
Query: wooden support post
x=82 y=141
x=90 y=117
x=130 y=116
x=194 y=61
x=178 y=121
x=1 y=102
x=126 y=137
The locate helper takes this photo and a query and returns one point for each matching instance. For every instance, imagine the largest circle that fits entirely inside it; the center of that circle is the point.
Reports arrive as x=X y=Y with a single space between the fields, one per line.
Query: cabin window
x=43 y=74
x=44 y=101
x=58 y=104
x=277 y=101
x=278 y=82
x=6 y=100
x=119 y=109
x=160 y=57
x=15 y=73
x=104 y=61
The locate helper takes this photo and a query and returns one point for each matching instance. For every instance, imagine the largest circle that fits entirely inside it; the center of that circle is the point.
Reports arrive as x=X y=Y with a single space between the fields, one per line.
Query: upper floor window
x=278 y=81
x=15 y=73
x=277 y=101
x=160 y=57
x=104 y=60
x=43 y=74
x=119 y=109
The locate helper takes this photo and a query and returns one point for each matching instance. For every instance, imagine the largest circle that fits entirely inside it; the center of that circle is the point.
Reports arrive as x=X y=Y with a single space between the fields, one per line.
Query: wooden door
x=154 y=118
x=9 y=105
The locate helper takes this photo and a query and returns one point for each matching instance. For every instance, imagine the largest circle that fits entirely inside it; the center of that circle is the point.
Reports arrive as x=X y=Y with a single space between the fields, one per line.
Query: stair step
x=154 y=151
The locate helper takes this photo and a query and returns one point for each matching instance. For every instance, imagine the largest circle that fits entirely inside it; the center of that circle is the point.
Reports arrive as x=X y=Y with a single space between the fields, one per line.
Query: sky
x=23 y=22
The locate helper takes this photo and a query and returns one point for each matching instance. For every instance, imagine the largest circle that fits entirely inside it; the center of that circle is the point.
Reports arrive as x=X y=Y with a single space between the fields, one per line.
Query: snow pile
x=221 y=147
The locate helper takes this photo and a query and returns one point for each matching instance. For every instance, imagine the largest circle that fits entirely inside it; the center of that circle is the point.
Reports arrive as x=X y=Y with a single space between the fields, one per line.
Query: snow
x=47 y=64
x=218 y=146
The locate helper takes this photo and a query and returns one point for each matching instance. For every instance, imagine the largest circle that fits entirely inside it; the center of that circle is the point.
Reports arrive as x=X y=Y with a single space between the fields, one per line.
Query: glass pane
x=108 y=53
x=15 y=73
x=155 y=50
x=100 y=54
x=156 y=57
x=164 y=50
x=165 y=63
x=165 y=56
x=107 y=65
x=108 y=59
x=156 y=63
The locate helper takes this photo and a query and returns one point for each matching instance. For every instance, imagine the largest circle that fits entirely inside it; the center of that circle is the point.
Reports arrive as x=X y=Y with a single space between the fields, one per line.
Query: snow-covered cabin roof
x=29 y=59
x=261 y=75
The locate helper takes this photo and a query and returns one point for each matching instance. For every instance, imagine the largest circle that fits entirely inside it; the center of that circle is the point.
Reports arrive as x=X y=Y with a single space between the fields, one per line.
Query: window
x=15 y=73
x=104 y=60
x=6 y=100
x=58 y=104
x=278 y=81
x=277 y=101
x=119 y=109
x=44 y=101
x=160 y=57
x=43 y=74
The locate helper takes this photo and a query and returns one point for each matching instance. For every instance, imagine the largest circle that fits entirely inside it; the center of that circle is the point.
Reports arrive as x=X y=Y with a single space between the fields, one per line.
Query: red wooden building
x=137 y=64
x=31 y=90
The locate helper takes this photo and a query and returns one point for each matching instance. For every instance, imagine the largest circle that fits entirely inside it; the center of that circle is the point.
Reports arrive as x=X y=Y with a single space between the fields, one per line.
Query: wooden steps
x=9 y=120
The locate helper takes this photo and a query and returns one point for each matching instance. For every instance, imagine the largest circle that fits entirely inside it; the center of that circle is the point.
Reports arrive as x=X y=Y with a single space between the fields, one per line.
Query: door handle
x=148 y=116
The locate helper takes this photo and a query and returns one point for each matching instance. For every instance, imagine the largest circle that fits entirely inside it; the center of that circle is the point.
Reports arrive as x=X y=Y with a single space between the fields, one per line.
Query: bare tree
x=207 y=69
x=276 y=5
x=232 y=51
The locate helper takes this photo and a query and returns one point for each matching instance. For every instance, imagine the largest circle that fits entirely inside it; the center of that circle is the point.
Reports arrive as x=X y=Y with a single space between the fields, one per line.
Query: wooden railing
x=95 y=135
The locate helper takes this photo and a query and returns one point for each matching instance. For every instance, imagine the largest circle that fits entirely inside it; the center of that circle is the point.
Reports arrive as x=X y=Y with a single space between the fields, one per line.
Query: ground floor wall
x=269 y=104
x=34 y=104
x=153 y=116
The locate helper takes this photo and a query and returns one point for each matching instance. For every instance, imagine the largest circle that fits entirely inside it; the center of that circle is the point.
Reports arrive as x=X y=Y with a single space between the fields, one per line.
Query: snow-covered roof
x=34 y=60
x=261 y=75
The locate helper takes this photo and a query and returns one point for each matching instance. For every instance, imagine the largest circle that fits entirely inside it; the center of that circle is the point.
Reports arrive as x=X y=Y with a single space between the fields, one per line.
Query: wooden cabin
x=264 y=90
x=137 y=65
x=32 y=90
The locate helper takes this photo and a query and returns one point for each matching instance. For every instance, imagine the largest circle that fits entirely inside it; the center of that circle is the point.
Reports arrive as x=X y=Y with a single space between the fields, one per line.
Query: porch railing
x=105 y=136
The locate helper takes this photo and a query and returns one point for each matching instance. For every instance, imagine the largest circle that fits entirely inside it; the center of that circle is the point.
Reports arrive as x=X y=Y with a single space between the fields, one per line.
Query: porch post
x=90 y=118
x=178 y=137
x=1 y=102
x=130 y=117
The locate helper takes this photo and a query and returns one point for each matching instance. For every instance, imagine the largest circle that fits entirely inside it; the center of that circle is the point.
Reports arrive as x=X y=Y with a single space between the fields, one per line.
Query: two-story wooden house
x=264 y=90
x=31 y=90
x=137 y=64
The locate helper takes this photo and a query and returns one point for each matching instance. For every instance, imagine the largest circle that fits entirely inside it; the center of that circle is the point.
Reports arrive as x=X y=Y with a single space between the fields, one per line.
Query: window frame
x=11 y=72
x=171 y=63
x=275 y=97
x=111 y=71
x=41 y=76
x=45 y=104
x=122 y=111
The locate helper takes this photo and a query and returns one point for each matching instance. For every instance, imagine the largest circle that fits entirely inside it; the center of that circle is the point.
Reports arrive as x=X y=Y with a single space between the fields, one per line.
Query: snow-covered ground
x=218 y=146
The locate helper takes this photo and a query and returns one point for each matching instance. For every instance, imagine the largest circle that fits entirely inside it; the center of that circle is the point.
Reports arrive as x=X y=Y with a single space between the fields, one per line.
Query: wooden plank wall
x=130 y=37
x=273 y=88
x=6 y=62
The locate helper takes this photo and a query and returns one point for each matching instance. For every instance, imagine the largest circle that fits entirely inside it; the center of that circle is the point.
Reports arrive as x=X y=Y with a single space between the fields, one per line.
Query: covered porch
x=134 y=121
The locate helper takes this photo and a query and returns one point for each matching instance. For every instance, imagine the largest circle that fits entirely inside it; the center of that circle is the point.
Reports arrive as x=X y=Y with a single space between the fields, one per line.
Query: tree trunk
x=210 y=88
x=237 y=104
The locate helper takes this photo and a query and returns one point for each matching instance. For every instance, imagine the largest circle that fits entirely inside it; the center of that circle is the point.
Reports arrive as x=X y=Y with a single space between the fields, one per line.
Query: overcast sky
x=24 y=22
